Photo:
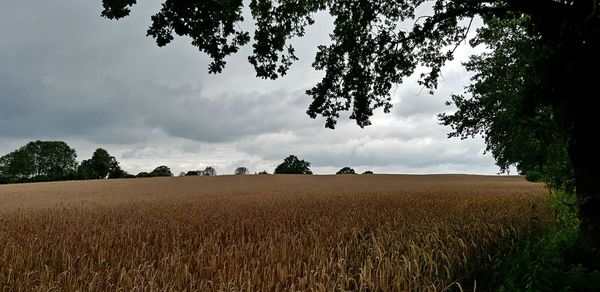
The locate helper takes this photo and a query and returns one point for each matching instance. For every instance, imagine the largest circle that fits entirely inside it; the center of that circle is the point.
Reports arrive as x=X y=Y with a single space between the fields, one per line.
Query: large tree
x=375 y=44
x=503 y=103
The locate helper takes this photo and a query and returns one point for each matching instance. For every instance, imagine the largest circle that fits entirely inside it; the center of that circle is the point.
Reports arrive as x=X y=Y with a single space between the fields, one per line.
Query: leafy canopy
x=100 y=166
x=293 y=165
x=346 y=170
x=371 y=49
x=162 y=170
x=507 y=102
x=241 y=170
x=210 y=171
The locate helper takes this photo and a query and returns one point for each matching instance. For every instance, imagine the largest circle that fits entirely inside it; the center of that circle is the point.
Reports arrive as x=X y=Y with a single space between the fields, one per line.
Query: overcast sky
x=68 y=74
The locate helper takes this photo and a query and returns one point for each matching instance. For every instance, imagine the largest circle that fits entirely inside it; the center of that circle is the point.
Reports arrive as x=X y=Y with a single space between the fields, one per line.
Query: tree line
x=40 y=161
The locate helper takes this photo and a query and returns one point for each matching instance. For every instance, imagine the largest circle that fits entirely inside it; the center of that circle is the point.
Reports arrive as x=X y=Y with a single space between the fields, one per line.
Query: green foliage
x=557 y=260
x=162 y=170
x=367 y=172
x=564 y=205
x=210 y=171
x=213 y=26
x=346 y=170
x=39 y=161
x=293 y=165
x=533 y=175
x=241 y=171
x=507 y=105
x=102 y=165
x=192 y=173
x=143 y=174
x=115 y=170
x=85 y=171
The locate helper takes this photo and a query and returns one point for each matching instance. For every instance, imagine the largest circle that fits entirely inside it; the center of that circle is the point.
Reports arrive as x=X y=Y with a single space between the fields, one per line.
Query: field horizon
x=28 y=194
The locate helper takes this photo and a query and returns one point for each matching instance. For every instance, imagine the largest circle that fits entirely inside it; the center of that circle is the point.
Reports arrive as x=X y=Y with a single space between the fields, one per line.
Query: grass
x=559 y=259
x=376 y=232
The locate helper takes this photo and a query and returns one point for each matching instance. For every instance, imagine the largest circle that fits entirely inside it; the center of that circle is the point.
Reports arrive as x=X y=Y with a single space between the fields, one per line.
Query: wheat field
x=262 y=232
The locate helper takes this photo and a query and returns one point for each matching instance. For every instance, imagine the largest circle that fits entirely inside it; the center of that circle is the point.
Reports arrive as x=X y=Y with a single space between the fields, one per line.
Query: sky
x=68 y=74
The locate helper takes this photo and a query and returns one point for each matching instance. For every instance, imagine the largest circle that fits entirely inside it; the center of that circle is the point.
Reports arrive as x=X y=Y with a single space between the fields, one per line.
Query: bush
x=368 y=172
x=557 y=260
x=346 y=170
x=143 y=174
x=534 y=176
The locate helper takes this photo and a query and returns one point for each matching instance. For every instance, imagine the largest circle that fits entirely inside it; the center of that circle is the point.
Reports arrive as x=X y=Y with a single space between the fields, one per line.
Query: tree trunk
x=585 y=157
x=580 y=104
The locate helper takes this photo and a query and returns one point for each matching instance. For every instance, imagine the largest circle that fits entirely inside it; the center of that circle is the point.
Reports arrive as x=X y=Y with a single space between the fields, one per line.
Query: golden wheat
x=262 y=233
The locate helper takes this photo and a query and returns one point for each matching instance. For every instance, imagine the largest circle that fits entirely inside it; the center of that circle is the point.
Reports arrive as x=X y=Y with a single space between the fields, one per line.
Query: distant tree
x=192 y=172
x=368 y=172
x=17 y=165
x=115 y=170
x=182 y=173
x=102 y=165
x=162 y=170
x=293 y=165
x=143 y=174
x=346 y=170
x=39 y=160
x=85 y=171
x=263 y=172
x=241 y=170
x=210 y=171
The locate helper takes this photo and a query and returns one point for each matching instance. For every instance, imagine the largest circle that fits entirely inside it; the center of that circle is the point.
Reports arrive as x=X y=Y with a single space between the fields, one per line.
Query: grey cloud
x=92 y=91
x=412 y=100
x=69 y=74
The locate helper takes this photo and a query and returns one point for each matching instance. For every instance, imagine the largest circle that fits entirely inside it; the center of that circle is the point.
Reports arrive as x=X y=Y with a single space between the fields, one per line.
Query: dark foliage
x=39 y=161
x=210 y=171
x=102 y=165
x=162 y=170
x=241 y=171
x=346 y=170
x=293 y=165
x=143 y=174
